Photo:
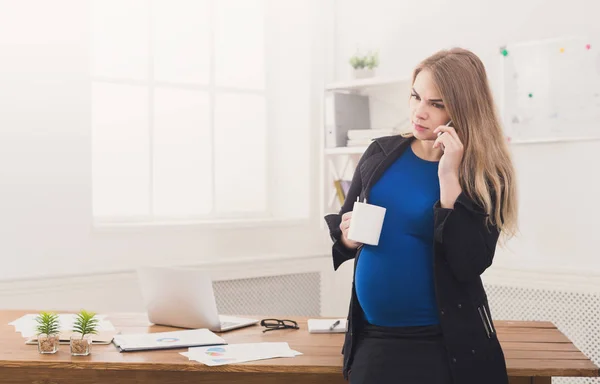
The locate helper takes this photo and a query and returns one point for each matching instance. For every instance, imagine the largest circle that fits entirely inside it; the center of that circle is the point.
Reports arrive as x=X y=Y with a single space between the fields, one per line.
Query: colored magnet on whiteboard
x=588 y=46
x=562 y=50
x=530 y=95
x=504 y=52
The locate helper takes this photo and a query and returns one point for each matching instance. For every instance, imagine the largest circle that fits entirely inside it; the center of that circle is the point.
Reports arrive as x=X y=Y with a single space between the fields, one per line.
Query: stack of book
x=363 y=137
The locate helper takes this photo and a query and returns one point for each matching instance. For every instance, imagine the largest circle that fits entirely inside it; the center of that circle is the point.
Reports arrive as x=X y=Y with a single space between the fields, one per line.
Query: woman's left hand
x=453 y=151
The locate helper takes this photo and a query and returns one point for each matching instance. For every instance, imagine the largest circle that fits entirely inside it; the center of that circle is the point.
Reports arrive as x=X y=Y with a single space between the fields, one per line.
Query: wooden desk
x=535 y=352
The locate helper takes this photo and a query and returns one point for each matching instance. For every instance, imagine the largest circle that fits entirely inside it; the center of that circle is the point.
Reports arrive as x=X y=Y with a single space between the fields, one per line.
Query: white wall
x=119 y=291
x=559 y=186
x=45 y=170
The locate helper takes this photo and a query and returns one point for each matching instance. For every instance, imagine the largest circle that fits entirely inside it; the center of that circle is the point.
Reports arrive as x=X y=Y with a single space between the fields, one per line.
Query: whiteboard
x=551 y=90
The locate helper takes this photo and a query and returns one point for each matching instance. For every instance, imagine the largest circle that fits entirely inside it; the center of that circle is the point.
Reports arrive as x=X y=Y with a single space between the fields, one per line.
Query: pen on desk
x=337 y=322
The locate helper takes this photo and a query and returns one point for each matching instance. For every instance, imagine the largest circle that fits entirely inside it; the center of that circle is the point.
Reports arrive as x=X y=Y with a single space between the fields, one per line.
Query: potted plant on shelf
x=364 y=65
x=48 y=328
x=84 y=327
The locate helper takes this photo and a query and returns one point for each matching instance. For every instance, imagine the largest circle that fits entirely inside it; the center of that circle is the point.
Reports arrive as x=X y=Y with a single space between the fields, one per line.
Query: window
x=200 y=109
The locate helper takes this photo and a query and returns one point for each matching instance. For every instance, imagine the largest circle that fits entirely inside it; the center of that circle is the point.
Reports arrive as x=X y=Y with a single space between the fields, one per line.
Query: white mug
x=366 y=223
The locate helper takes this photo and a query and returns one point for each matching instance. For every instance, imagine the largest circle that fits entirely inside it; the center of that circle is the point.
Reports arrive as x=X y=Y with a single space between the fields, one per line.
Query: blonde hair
x=486 y=173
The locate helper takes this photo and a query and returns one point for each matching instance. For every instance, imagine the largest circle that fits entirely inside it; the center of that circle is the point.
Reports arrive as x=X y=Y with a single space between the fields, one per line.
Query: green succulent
x=370 y=60
x=357 y=62
x=86 y=323
x=48 y=323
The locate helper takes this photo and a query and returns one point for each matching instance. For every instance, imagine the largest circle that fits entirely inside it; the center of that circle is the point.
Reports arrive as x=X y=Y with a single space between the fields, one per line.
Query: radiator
x=283 y=295
x=577 y=315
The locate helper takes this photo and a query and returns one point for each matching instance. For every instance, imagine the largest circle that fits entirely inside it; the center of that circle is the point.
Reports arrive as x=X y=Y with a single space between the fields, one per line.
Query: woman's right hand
x=344 y=226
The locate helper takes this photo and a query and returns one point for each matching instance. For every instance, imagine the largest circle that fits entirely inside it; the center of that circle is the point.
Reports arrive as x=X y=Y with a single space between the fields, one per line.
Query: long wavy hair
x=486 y=173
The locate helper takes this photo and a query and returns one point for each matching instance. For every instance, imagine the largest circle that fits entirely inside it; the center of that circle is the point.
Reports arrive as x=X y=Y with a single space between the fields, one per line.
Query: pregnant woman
x=419 y=313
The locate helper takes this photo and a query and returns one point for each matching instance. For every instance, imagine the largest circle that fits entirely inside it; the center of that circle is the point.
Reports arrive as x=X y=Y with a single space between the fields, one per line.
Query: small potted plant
x=84 y=327
x=48 y=328
x=364 y=65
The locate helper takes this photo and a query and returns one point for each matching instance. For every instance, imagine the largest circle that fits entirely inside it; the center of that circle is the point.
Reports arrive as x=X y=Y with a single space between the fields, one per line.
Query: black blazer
x=464 y=247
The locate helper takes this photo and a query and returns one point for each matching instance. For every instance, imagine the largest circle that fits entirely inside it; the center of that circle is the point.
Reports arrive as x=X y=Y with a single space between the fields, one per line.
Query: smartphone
x=448 y=124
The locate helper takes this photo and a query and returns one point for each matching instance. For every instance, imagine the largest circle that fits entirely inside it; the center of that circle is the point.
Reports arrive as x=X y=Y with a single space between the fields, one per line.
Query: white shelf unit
x=388 y=105
x=345 y=150
x=363 y=84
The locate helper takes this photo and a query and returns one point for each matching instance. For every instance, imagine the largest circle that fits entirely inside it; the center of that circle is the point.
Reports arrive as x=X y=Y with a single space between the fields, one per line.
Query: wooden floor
x=534 y=351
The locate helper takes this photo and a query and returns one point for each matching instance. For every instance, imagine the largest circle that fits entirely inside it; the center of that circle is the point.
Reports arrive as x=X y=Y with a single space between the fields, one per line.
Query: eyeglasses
x=275 y=324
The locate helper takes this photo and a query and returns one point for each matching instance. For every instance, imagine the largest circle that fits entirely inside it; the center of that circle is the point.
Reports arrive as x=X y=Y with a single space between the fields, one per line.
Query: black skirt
x=400 y=355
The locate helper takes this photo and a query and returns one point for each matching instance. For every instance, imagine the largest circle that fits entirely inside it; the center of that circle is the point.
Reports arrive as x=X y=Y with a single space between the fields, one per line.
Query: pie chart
x=215 y=351
x=224 y=360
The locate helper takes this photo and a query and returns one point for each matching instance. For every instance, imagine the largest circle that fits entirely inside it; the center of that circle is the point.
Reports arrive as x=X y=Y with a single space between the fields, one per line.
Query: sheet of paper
x=100 y=338
x=323 y=325
x=26 y=324
x=239 y=353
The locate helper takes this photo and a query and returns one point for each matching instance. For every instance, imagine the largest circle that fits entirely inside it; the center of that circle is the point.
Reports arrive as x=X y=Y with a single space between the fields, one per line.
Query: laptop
x=184 y=298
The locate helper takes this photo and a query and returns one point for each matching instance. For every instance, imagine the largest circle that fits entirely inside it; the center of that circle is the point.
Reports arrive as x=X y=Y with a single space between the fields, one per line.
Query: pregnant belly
x=396 y=287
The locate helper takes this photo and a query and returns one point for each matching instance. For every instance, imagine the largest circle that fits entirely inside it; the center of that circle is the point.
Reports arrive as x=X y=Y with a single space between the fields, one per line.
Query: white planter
x=363 y=73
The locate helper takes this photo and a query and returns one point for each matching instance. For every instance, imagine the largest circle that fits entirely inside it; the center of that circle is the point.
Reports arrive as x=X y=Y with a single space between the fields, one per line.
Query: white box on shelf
x=344 y=112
